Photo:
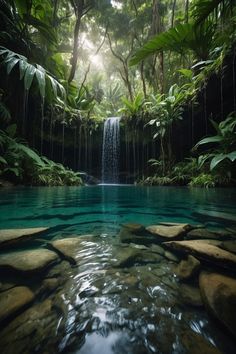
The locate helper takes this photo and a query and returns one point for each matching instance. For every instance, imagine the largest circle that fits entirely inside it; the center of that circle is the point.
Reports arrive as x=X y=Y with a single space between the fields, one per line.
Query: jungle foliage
x=73 y=63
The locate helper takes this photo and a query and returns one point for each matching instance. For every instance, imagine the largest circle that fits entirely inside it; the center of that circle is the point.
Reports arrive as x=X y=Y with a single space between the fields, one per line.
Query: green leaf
x=210 y=139
x=30 y=153
x=216 y=160
x=40 y=75
x=186 y=73
x=29 y=75
x=3 y=161
x=12 y=64
x=23 y=66
x=232 y=156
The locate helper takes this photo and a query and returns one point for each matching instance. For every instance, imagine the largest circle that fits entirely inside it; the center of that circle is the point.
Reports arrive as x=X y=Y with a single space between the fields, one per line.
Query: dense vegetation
x=67 y=65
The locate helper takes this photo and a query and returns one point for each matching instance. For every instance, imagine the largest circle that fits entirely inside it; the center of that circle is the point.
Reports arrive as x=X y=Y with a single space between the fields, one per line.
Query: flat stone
x=13 y=236
x=157 y=249
x=206 y=252
x=188 y=268
x=190 y=295
x=219 y=295
x=31 y=330
x=207 y=234
x=70 y=247
x=186 y=226
x=13 y=300
x=29 y=261
x=167 y=231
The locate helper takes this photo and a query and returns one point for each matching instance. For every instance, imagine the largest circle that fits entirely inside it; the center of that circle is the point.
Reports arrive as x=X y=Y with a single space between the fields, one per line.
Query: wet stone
x=171 y=257
x=170 y=232
x=31 y=330
x=69 y=247
x=10 y=237
x=190 y=295
x=14 y=300
x=207 y=234
x=205 y=251
x=219 y=295
x=30 y=261
x=228 y=246
x=188 y=268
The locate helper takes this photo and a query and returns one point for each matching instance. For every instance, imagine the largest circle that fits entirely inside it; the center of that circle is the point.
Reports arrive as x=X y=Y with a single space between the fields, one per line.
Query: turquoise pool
x=101 y=209
x=100 y=304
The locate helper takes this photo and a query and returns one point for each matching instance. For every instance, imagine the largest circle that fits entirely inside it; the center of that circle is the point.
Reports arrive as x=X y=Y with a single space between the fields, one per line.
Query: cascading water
x=110 y=150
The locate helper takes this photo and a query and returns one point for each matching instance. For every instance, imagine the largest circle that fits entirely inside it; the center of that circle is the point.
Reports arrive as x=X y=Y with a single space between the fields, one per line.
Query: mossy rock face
x=10 y=237
x=30 y=261
x=13 y=300
x=219 y=295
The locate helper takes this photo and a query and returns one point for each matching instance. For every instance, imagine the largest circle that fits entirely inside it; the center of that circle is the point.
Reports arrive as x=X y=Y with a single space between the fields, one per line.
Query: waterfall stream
x=110 y=150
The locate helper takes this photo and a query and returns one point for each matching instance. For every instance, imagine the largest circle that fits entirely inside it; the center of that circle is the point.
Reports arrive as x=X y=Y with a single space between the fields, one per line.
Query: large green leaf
x=30 y=154
x=210 y=139
x=40 y=75
x=232 y=156
x=29 y=75
x=12 y=63
x=216 y=160
x=174 y=39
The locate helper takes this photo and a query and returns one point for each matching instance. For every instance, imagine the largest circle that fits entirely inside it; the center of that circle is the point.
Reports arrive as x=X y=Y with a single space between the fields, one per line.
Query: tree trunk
x=74 y=58
x=143 y=79
x=173 y=13
x=186 y=11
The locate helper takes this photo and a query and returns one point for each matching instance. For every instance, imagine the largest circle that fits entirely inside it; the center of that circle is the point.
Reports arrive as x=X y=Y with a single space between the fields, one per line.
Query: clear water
x=110 y=309
x=102 y=209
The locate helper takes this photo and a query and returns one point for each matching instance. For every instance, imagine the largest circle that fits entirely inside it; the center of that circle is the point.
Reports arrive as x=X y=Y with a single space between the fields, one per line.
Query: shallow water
x=102 y=305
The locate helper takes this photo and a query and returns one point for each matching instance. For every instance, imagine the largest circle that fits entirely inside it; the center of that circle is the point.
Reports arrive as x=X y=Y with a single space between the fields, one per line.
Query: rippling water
x=103 y=306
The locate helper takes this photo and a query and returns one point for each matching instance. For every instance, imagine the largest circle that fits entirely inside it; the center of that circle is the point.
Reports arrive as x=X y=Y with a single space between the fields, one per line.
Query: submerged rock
x=134 y=228
x=194 y=344
x=29 y=332
x=171 y=257
x=190 y=295
x=206 y=252
x=29 y=261
x=69 y=247
x=186 y=226
x=228 y=246
x=13 y=236
x=188 y=268
x=11 y=301
x=207 y=234
x=219 y=295
x=167 y=231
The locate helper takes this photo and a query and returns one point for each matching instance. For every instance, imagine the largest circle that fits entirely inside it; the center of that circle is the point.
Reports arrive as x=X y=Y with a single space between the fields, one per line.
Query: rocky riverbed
x=166 y=288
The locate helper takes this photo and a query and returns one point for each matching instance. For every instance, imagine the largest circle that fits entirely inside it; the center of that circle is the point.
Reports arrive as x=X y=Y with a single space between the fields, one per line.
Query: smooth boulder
x=219 y=295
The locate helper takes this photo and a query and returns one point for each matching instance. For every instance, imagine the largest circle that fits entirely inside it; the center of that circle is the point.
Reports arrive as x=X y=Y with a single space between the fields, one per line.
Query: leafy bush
x=203 y=180
x=23 y=165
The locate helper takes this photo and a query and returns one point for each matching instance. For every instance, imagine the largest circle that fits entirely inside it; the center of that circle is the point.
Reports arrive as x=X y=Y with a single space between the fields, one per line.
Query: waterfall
x=110 y=150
